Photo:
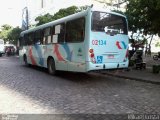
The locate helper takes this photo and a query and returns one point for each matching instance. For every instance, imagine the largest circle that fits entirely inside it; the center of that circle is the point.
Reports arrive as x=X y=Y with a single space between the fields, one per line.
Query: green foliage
x=13 y=35
x=157 y=44
x=44 y=19
x=65 y=12
x=8 y=33
x=5 y=29
x=144 y=19
x=144 y=15
x=60 y=14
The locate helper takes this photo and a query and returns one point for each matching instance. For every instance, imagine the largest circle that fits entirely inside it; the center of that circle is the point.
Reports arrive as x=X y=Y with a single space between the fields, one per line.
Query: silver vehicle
x=1 y=47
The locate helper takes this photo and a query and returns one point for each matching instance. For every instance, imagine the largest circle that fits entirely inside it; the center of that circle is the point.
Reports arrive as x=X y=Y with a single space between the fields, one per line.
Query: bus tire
x=0 y=55
x=51 y=66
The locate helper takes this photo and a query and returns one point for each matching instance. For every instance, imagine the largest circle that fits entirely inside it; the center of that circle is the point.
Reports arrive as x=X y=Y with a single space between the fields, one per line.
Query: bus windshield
x=110 y=23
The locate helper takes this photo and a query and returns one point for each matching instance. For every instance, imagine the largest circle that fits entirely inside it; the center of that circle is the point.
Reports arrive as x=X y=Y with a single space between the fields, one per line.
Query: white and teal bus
x=1 y=47
x=86 y=41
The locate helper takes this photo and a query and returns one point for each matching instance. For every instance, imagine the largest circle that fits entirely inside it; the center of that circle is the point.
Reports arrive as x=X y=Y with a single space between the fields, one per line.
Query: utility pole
x=27 y=19
x=42 y=3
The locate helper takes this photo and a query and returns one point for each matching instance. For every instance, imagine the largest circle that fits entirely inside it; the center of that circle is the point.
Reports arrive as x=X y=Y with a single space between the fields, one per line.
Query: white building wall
x=153 y=47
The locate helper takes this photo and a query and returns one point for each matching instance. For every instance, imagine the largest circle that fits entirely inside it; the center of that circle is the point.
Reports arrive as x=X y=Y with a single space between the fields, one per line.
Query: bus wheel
x=51 y=66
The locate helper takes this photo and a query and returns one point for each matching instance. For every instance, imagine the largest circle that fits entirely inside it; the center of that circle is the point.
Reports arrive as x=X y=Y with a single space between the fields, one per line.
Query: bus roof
x=67 y=18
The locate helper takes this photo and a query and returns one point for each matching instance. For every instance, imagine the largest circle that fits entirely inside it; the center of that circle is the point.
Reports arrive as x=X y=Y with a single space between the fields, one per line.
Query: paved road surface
x=32 y=90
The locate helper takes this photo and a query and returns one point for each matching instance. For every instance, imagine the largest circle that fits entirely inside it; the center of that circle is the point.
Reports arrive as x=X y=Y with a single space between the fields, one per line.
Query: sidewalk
x=144 y=75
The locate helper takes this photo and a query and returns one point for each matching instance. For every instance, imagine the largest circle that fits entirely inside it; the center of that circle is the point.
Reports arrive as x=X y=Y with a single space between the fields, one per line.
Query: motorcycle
x=10 y=51
x=155 y=57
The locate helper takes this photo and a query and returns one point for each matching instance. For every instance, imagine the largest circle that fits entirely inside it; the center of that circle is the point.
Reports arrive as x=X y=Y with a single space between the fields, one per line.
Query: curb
x=132 y=78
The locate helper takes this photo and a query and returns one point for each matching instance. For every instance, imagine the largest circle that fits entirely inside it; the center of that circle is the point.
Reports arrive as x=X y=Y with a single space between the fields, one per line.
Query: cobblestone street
x=32 y=90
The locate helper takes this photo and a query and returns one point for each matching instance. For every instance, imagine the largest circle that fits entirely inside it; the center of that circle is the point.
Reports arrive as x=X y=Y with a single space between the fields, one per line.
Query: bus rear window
x=109 y=23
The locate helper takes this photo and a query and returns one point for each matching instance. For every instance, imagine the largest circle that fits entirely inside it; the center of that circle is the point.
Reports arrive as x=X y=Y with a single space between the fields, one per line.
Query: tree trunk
x=149 y=50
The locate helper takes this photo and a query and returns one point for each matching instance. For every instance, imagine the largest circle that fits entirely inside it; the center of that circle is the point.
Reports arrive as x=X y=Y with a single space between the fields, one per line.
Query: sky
x=11 y=12
x=54 y=5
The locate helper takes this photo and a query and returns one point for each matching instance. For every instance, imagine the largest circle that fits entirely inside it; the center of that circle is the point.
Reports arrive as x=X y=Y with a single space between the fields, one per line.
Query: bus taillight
x=92 y=55
x=91 y=51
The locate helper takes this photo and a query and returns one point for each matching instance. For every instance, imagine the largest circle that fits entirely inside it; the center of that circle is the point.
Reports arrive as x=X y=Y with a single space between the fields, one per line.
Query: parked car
x=1 y=47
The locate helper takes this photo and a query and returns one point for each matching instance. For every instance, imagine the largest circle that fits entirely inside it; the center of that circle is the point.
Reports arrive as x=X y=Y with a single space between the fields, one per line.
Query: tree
x=10 y=34
x=13 y=35
x=44 y=19
x=65 y=12
x=143 y=18
x=5 y=29
x=157 y=44
x=61 y=13
x=143 y=15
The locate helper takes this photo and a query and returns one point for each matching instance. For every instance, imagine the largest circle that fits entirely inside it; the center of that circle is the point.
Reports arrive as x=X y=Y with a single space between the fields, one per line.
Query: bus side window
x=62 y=33
x=58 y=33
x=47 y=36
x=26 y=39
x=30 y=39
x=20 y=41
x=75 y=30
x=37 y=38
x=54 y=36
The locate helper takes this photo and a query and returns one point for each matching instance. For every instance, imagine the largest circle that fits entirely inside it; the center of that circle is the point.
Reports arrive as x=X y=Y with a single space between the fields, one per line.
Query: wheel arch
x=48 y=66
x=50 y=57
